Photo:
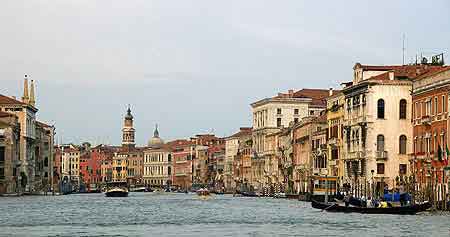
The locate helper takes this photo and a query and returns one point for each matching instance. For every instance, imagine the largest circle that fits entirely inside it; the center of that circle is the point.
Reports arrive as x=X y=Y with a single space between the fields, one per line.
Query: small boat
x=203 y=192
x=403 y=210
x=116 y=189
x=250 y=194
x=280 y=195
x=141 y=189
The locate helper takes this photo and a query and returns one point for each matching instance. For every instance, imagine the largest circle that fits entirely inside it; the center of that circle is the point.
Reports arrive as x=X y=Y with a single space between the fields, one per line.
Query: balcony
x=381 y=155
x=355 y=155
x=426 y=120
x=333 y=141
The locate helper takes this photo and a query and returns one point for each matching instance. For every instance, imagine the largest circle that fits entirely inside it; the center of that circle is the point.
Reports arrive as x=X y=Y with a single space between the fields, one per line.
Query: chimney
x=391 y=75
x=32 y=99
x=25 y=98
x=291 y=93
x=330 y=92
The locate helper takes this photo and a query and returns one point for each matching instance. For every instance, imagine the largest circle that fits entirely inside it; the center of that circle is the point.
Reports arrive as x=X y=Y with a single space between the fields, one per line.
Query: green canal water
x=169 y=214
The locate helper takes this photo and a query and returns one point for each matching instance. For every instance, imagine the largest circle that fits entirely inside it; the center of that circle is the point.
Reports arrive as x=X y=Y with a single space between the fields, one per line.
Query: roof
x=4 y=114
x=242 y=132
x=432 y=72
x=403 y=71
x=43 y=124
x=317 y=96
x=8 y=100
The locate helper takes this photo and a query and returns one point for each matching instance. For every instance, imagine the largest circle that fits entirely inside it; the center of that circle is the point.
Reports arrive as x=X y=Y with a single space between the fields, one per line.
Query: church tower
x=128 y=130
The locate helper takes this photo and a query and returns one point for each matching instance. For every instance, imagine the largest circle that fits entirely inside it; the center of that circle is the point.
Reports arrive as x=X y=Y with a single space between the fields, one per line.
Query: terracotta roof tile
x=8 y=100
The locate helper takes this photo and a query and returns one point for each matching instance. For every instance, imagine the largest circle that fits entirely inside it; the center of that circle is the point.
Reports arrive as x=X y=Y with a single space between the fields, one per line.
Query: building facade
x=9 y=154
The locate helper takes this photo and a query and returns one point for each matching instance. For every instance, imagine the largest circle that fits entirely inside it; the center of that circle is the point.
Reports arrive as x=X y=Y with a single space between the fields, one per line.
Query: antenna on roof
x=403 y=48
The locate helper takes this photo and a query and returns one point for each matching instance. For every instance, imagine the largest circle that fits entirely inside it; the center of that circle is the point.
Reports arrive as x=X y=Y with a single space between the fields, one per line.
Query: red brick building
x=183 y=152
x=430 y=121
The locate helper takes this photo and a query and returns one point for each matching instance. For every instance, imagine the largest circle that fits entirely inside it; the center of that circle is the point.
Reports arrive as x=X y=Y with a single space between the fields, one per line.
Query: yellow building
x=335 y=118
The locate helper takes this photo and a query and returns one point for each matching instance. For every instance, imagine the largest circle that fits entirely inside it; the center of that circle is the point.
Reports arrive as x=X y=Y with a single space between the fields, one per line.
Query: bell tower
x=128 y=130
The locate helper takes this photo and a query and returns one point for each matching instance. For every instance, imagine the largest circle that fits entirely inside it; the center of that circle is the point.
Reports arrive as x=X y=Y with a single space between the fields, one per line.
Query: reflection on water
x=167 y=214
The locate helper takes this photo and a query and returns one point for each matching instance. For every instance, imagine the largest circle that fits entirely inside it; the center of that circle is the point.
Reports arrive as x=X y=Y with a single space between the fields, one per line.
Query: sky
x=195 y=66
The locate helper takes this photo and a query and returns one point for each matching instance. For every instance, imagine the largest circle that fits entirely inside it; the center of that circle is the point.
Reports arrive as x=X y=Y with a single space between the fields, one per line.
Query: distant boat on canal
x=116 y=189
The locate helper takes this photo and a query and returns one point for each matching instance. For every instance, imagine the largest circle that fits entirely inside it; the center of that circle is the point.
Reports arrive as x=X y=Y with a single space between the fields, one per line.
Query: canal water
x=170 y=214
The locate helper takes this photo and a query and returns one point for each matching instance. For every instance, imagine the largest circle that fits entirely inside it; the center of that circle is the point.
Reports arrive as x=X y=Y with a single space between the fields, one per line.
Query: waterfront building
x=242 y=164
x=200 y=165
x=157 y=162
x=272 y=114
x=307 y=160
x=231 y=151
x=216 y=159
x=70 y=164
x=183 y=152
x=378 y=129
x=335 y=121
x=9 y=154
x=107 y=169
x=26 y=111
x=430 y=95
x=44 y=157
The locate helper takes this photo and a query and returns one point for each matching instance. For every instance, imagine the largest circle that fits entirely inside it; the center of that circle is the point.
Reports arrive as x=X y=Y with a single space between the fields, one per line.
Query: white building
x=157 y=166
x=70 y=163
x=377 y=126
x=271 y=114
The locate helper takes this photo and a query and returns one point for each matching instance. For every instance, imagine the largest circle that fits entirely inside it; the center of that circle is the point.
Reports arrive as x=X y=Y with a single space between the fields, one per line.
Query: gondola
x=404 y=210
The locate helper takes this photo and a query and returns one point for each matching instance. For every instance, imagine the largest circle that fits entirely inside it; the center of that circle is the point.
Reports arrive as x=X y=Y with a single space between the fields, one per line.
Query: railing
x=426 y=119
x=382 y=155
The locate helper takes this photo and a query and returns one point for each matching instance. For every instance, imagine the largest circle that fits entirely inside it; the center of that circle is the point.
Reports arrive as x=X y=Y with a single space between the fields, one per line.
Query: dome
x=155 y=140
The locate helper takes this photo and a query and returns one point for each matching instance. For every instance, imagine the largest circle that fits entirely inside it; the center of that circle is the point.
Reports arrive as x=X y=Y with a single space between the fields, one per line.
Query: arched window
x=380 y=143
x=169 y=158
x=402 y=144
x=402 y=109
x=169 y=170
x=380 y=109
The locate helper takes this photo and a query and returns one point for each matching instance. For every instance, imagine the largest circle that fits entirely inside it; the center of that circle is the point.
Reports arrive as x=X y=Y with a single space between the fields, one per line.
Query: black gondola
x=404 y=210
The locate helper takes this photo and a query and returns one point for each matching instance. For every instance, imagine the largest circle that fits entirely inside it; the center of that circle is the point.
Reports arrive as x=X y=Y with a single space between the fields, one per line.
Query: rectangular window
x=402 y=169
x=278 y=111
x=380 y=168
x=278 y=122
x=2 y=154
x=311 y=112
x=443 y=104
x=296 y=111
x=435 y=105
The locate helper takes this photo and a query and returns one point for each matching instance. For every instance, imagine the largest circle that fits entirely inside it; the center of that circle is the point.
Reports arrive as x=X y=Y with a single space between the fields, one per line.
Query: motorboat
x=203 y=192
x=116 y=189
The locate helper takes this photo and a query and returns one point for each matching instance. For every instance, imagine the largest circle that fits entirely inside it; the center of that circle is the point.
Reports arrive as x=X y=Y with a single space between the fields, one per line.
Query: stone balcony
x=381 y=155
x=355 y=155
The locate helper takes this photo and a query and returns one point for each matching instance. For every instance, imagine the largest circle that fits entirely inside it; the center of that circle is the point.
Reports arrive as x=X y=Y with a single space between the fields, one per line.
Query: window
x=443 y=104
x=402 y=144
x=380 y=143
x=380 y=168
x=46 y=162
x=278 y=122
x=295 y=120
x=402 y=169
x=278 y=111
x=311 y=112
x=295 y=111
x=380 y=109
x=2 y=154
x=402 y=109
x=169 y=157
x=417 y=110
x=435 y=105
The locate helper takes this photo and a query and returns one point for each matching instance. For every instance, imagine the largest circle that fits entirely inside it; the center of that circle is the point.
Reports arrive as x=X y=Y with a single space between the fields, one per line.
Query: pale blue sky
x=193 y=66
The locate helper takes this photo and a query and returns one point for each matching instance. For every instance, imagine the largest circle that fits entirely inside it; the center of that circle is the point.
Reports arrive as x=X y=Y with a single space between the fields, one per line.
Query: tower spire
x=32 y=99
x=25 y=98
x=156 y=132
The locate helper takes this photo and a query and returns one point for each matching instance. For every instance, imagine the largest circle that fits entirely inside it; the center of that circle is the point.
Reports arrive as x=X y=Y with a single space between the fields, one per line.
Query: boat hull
x=116 y=194
x=405 y=210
